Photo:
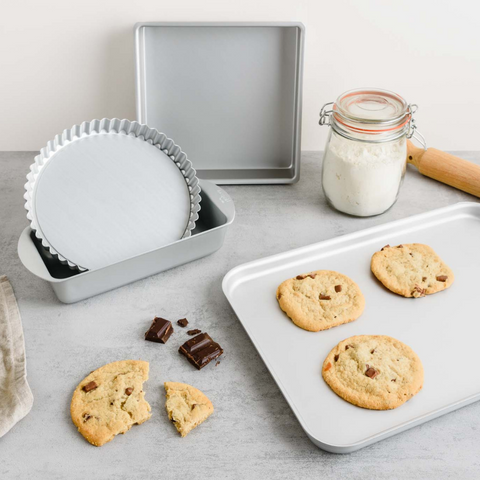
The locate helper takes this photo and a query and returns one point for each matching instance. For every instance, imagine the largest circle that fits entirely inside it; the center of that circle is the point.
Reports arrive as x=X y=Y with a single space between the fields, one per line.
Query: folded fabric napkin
x=16 y=398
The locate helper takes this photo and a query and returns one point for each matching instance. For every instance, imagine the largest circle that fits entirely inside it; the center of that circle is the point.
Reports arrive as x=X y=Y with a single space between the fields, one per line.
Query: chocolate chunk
x=371 y=372
x=400 y=246
x=183 y=322
x=159 y=331
x=194 y=332
x=86 y=417
x=442 y=278
x=328 y=366
x=347 y=347
x=338 y=288
x=421 y=291
x=424 y=279
x=336 y=357
x=89 y=387
x=128 y=391
x=201 y=350
x=372 y=351
x=393 y=380
x=303 y=276
x=386 y=246
x=324 y=297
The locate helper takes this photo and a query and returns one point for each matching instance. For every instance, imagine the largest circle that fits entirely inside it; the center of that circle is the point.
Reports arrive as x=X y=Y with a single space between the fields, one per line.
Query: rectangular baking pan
x=216 y=214
x=443 y=329
x=229 y=93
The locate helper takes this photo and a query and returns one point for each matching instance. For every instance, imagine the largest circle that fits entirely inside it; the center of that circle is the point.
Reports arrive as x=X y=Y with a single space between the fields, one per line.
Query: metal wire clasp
x=412 y=128
x=325 y=114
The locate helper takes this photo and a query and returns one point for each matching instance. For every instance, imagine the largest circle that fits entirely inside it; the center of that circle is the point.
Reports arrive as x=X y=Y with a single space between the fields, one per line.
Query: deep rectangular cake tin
x=70 y=286
x=441 y=328
x=229 y=93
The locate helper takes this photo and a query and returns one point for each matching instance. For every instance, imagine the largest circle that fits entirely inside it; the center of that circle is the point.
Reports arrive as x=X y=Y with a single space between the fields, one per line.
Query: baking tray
x=443 y=329
x=70 y=286
x=229 y=93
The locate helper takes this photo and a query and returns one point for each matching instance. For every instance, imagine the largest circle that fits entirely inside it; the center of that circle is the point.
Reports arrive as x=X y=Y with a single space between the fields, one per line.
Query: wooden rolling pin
x=445 y=168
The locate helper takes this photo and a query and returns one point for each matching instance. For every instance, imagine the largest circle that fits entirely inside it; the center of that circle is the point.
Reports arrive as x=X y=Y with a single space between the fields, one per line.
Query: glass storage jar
x=366 y=151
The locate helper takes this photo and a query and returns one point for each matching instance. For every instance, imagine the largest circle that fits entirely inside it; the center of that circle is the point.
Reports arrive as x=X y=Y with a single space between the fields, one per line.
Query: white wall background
x=63 y=61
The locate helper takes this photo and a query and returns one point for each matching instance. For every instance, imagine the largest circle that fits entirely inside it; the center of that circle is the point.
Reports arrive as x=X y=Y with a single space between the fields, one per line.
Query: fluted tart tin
x=108 y=190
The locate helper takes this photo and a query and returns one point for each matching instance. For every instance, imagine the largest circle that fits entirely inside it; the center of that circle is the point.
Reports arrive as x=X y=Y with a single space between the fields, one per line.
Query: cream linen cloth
x=16 y=398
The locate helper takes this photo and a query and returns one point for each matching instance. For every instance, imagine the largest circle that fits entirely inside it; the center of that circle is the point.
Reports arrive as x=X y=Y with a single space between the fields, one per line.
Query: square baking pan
x=216 y=214
x=440 y=328
x=230 y=93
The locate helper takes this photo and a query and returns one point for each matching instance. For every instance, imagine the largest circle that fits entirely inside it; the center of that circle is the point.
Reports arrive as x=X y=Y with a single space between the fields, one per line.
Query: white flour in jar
x=363 y=178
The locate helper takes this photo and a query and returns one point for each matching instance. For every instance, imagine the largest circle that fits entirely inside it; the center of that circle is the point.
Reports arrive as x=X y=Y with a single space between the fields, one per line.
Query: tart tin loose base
x=108 y=190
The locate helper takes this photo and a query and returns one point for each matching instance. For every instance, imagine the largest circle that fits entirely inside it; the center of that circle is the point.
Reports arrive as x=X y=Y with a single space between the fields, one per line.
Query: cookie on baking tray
x=320 y=300
x=373 y=371
x=110 y=400
x=411 y=270
x=187 y=407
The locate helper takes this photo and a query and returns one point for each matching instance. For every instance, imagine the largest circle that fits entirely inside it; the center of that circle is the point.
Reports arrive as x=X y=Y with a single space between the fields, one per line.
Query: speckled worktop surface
x=253 y=433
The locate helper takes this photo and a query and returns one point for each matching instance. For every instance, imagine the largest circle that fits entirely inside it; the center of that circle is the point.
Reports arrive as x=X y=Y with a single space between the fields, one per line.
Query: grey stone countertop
x=253 y=433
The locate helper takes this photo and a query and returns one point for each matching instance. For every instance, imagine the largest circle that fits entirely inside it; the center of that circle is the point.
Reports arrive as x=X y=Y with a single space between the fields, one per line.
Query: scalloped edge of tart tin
x=120 y=127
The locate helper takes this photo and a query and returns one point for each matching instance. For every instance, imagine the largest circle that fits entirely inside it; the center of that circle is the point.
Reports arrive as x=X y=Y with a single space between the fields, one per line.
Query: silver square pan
x=72 y=286
x=230 y=93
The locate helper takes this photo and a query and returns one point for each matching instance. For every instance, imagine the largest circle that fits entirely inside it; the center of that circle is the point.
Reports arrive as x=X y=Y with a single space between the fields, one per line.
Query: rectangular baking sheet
x=229 y=93
x=442 y=328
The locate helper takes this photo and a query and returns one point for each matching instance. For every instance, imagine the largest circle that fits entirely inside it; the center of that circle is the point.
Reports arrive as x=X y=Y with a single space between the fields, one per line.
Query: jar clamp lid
x=371 y=115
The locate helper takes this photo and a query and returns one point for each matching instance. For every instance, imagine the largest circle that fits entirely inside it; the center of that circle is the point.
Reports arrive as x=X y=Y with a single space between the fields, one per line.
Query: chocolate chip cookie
x=187 y=407
x=373 y=371
x=110 y=400
x=411 y=270
x=320 y=300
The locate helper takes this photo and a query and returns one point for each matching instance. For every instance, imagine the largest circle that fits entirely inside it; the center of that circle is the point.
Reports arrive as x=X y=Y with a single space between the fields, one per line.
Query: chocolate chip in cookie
x=89 y=387
x=418 y=291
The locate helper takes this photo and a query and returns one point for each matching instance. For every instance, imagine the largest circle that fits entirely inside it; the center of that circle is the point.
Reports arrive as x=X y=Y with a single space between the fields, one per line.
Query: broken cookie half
x=187 y=407
x=110 y=400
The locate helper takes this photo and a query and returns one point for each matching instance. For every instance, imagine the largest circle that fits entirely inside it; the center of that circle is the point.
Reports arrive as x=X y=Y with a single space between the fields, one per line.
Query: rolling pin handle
x=445 y=168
